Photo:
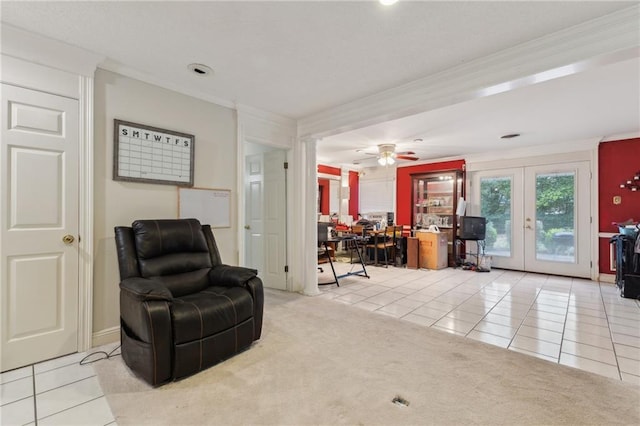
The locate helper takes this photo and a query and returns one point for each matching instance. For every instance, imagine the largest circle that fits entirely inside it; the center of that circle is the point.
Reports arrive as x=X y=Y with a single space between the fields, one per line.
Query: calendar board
x=209 y=206
x=148 y=154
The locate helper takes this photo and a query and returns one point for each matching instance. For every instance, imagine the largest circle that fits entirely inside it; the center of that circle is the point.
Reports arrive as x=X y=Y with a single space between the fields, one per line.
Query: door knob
x=68 y=239
x=247 y=227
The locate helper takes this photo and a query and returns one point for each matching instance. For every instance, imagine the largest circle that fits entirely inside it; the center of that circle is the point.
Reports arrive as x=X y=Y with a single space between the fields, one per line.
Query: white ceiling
x=297 y=59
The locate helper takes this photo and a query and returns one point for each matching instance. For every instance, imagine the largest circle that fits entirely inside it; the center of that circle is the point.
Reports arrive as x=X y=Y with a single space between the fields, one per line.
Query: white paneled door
x=538 y=217
x=39 y=226
x=265 y=217
x=254 y=212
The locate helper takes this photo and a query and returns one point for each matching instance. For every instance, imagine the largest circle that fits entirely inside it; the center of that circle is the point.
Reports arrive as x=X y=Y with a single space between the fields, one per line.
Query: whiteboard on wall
x=209 y=206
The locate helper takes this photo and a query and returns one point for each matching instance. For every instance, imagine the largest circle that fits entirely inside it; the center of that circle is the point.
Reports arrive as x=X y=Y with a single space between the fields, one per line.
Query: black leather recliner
x=181 y=309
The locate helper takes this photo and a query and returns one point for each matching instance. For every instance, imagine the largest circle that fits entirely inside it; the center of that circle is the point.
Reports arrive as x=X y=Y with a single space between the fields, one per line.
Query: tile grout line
x=610 y=331
x=76 y=406
x=528 y=310
x=66 y=384
x=35 y=404
x=564 y=324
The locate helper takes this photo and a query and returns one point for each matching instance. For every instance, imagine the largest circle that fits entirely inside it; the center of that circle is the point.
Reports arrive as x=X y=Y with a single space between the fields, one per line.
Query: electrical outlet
x=617 y=200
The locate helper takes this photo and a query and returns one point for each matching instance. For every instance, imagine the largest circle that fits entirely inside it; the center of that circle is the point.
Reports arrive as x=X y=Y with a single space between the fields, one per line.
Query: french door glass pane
x=495 y=205
x=555 y=217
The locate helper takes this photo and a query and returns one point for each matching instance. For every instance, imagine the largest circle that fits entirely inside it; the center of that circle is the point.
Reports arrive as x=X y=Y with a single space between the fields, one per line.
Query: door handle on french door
x=528 y=227
x=247 y=227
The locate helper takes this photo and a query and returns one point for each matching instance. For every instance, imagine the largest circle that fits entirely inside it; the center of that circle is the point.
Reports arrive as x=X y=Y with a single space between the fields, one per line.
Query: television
x=472 y=227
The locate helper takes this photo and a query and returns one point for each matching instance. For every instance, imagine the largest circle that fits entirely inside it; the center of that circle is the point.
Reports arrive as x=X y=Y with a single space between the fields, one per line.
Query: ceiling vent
x=200 y=69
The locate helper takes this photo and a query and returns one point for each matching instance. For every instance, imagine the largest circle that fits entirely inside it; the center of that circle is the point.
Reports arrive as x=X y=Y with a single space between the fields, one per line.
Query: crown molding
x=41 y=50
x=539 y=154
x=115 y=67
x=605 y=40
x=266 y=116
x=621 y=137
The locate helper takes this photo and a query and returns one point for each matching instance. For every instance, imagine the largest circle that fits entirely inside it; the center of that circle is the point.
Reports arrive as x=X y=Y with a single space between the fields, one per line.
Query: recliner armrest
x=231 y=276
x=144 y=289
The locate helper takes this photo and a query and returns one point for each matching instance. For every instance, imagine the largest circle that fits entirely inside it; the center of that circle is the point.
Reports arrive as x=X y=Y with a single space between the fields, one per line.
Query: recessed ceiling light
x=418 y=140
x=200 y=69
x=510 y=136
x=387 y=2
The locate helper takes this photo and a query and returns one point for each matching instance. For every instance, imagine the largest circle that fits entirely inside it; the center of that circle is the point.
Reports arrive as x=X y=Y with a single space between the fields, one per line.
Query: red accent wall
x=403 y=185
x=329 y=170
x=324 y=200
x=618 y=161
x=354 y=194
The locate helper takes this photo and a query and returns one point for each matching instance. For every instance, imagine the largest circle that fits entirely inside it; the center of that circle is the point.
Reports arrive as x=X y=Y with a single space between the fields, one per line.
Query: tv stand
x=480 y=245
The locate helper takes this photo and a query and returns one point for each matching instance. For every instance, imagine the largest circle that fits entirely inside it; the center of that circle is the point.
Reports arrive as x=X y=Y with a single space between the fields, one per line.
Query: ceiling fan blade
x=405 y=153
x=407 y=157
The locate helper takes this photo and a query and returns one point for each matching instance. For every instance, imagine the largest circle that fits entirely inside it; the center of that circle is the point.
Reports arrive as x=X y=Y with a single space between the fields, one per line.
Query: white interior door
x=39 y=226
x=275 y=220
x=254 y=216
x=538 y=217
x=265 y=229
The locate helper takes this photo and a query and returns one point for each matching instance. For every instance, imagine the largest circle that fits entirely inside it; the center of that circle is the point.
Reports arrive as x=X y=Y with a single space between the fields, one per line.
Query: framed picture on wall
x=148 y=154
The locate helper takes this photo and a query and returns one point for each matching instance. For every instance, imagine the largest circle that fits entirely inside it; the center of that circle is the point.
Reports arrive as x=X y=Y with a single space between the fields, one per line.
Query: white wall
x=119 y=203
x=378 y=189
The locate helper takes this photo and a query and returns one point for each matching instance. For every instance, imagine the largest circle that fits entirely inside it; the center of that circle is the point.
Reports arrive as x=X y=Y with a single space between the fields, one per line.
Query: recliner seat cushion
x=196 y=316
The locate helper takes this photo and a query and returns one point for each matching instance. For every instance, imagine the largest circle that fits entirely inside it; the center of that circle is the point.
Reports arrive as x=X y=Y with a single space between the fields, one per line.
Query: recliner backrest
x=174 y=251
x=166 y=247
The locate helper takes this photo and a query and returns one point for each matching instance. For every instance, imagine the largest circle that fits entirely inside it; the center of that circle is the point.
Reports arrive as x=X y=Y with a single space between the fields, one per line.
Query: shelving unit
x=435 y=201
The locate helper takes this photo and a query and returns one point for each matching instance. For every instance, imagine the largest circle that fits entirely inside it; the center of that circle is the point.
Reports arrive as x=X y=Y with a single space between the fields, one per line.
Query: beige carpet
x=320 y=362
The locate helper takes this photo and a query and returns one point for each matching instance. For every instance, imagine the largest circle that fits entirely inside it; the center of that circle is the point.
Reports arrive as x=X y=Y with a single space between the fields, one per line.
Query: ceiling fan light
x=386 y=158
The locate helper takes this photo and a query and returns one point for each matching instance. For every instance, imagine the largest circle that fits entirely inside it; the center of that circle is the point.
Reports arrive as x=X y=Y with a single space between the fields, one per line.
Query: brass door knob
x=68 y=239
x=247 y=227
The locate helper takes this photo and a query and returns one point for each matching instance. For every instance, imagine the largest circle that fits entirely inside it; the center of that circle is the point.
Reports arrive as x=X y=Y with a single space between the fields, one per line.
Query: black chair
x=181 y=309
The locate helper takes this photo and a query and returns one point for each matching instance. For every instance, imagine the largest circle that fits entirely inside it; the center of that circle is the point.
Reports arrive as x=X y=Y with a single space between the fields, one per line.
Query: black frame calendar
x=148 y=154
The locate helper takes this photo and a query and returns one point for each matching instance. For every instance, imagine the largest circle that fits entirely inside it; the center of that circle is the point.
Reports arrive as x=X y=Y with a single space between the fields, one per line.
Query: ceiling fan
x=387 y=155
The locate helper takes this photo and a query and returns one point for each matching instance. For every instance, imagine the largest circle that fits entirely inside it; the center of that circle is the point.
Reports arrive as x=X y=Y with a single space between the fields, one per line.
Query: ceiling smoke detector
x=200 y=69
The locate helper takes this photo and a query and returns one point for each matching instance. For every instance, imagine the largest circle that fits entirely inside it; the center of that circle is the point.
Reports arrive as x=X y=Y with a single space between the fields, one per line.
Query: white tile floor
x=55 y=392
x=575 y=322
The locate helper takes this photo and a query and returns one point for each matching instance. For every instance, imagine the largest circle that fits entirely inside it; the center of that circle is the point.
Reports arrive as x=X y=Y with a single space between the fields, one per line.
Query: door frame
x=17 y=72
x=277 y=132
x=585 y=150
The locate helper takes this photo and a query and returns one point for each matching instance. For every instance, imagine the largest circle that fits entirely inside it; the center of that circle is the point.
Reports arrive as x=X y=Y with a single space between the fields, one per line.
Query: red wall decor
x=323 y=187
x=354 y=194
x=403 y=185
x=329 y=170
x=617 y=162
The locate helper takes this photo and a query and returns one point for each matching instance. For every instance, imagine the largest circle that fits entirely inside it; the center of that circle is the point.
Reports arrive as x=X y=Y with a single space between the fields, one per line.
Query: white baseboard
x=106 y=336
x=607 y=278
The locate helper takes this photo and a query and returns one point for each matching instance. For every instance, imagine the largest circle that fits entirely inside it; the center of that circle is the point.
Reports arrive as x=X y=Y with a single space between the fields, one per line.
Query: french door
x=538 y=217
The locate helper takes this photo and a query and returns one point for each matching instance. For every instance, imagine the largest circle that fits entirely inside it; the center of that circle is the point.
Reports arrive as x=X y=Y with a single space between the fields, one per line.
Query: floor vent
x=398 y=400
